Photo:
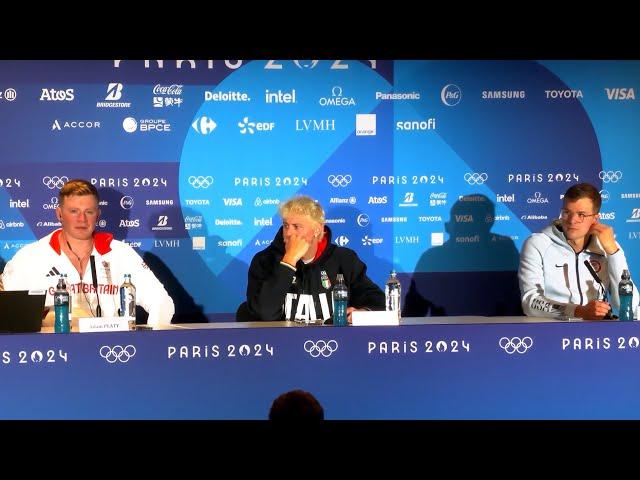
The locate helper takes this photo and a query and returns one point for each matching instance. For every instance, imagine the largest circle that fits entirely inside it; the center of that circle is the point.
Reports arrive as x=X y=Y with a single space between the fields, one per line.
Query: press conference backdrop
x=439 y=169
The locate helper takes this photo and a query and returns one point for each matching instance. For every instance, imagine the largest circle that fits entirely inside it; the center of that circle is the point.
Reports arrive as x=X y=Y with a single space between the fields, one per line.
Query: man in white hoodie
x=554 y=280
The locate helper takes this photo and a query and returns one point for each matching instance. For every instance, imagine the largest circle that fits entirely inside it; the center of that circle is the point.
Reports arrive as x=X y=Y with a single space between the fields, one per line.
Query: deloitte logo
x=451 y=95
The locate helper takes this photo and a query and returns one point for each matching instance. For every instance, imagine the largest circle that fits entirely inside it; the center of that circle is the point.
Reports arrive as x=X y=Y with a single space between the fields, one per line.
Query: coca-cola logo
x=167 y=89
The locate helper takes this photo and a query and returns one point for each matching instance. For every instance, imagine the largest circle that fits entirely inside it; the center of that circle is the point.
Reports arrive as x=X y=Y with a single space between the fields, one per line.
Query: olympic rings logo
x=200 y=181
x=515 y=344
x=321 y=347
x=117 y=353
x=475 y=178
x=339 y=180
x=54 y=182
x=610 y=176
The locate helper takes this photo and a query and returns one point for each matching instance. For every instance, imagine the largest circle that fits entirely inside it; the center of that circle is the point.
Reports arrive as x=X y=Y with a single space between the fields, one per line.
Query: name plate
x=360 y=318
x=106 y=324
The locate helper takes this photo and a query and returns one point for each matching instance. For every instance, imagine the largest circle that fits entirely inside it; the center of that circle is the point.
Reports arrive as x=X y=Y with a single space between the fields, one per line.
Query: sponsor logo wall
x=411 y=159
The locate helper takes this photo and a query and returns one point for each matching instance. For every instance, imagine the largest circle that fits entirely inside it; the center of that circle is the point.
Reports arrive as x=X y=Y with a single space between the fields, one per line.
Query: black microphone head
x=94 y=277
x=592 y=272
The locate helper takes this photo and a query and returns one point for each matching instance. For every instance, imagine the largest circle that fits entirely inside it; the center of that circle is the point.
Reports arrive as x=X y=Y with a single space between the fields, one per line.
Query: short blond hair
x=303 y=205
x=79 y=187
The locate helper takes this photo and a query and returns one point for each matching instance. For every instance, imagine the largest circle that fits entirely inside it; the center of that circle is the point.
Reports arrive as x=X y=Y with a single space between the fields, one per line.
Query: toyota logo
x=339 y=180
x=475 y=178
x=320 y=347
x=610 y=176
x=54 y=182
x=200 y=181
x=515 y=344
x=117 y=353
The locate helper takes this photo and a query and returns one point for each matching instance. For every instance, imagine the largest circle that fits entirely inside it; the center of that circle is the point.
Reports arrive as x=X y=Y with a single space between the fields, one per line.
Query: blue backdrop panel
x=439 y=169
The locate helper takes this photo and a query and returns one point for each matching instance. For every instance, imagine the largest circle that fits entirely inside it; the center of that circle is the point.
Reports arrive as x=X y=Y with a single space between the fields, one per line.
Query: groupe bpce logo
x=475 y=178
x=200 y=181
x=320 y=347
x=117 y=353
x=54 y=182
x=339 y=180
x=515 y=344
x=609 y=176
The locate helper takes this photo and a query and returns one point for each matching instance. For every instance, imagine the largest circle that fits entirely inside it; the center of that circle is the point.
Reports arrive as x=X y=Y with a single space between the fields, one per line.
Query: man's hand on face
x=295 y=248
x=606 y=237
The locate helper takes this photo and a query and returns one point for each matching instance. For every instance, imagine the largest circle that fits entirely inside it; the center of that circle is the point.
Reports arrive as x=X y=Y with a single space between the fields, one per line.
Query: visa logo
x=620 y=93
x=464 y=218
x=232 y=202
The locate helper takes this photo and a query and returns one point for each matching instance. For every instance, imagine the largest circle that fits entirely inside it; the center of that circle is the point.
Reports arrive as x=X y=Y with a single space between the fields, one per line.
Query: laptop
x=21 y=311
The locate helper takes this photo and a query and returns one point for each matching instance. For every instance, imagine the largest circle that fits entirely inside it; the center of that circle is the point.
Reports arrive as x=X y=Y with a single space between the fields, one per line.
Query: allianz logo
x=343 y=201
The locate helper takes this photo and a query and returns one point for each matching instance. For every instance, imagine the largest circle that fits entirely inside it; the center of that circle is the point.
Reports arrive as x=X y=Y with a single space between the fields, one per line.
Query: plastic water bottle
x=625 y=291
x=61 y=307
x=66 y=282
x=128 y=299
x=340 y=296
x=393 y=293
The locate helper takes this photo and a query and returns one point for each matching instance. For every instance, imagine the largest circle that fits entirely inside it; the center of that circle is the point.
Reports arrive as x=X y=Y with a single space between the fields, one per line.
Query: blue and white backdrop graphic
x=439 y=169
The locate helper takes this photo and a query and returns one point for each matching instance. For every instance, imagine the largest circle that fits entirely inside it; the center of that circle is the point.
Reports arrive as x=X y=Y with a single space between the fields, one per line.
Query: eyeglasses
x=566 y=214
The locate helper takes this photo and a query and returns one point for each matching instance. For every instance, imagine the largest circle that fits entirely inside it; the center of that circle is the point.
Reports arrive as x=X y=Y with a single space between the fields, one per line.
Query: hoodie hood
x=555 y=233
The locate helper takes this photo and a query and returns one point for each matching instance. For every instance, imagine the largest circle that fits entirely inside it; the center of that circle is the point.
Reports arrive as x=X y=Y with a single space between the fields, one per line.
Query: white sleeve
x=531 y=279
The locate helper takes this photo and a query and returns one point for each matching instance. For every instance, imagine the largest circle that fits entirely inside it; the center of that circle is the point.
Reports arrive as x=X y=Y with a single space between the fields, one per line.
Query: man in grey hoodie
x=554 y=280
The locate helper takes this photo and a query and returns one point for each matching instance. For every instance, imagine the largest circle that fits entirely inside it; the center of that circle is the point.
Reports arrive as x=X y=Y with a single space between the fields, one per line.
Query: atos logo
x=53 y=95
x=204 y=125
x=377 y=200
x=130 y=223
x=620 y=93
x=451 y=95
x=607 y=215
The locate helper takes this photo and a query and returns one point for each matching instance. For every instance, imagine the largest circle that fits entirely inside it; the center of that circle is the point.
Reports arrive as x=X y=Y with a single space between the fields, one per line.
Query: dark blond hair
x=303 y=205
x=78 y=187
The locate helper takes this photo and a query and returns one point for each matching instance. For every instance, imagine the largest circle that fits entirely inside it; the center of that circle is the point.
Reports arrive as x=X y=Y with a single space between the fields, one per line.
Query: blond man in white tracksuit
x=37 y=266
x=554 y=281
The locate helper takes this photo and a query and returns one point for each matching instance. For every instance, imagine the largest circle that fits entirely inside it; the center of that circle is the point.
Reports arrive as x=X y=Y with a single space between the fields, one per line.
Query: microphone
x=603 y=291
x=94 y=279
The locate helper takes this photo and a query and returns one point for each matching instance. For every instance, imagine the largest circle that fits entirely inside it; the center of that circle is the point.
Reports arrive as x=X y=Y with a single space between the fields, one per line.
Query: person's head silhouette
x=296 y=405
